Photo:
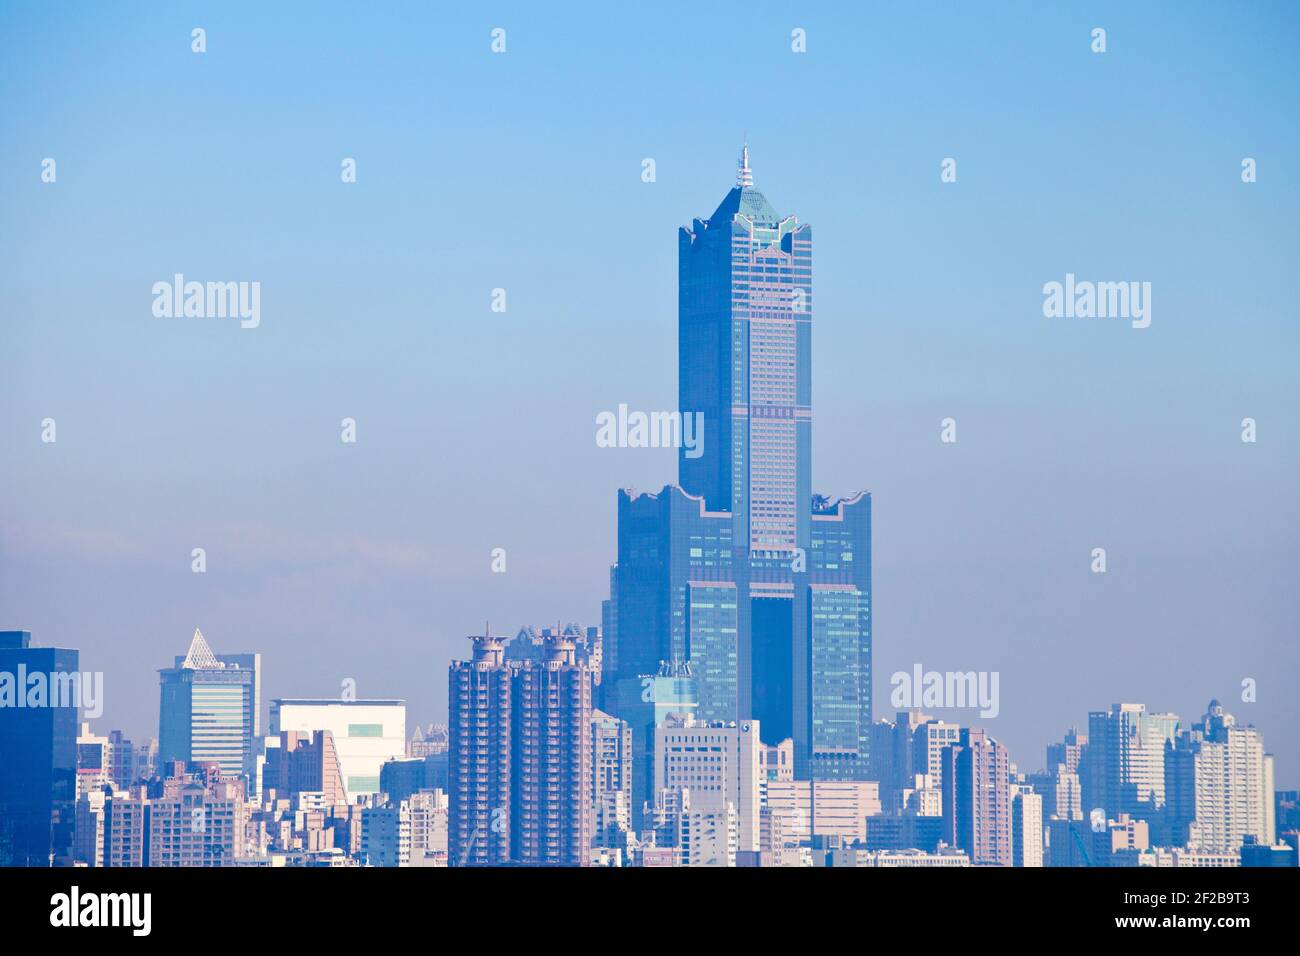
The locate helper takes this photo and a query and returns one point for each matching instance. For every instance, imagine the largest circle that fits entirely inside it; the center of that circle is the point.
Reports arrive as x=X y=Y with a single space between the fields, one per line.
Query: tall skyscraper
x=479 y=716
x=977 y=798
x=761 y=585
x=208 y=711
x=1123 y=769
x=38 y=751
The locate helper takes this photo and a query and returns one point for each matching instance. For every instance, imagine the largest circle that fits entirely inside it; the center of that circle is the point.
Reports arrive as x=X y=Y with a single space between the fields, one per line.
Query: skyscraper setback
x=764 y=587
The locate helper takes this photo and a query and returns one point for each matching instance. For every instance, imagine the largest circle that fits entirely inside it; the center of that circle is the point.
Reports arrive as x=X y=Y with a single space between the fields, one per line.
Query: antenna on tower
x=744 y=176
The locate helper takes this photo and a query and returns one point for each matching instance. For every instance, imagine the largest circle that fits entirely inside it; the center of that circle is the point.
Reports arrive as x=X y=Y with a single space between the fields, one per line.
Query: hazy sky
x=476 y=429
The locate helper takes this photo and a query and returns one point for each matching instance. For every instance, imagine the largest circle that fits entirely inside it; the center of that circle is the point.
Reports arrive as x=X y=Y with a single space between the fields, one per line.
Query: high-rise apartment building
x=1026 y=827
x=183 y=820
x=1219 y=785
x=197 y=822
x=479 y=733
x=977 y=798
x=209 y=709
x=741 y=570
x=521 y=770
x=551 y=814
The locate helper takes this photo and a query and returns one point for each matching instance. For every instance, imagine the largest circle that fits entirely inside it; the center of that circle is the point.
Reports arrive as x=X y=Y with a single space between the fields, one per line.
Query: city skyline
x=369 y=561
x=739 y=607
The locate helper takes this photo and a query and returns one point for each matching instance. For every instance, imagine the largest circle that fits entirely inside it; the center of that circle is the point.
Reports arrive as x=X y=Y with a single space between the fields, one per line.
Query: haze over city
x=476 y=429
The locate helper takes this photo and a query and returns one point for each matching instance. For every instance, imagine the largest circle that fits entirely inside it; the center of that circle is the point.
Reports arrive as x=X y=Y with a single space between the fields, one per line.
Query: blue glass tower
x=761 y=585
x=38 y=752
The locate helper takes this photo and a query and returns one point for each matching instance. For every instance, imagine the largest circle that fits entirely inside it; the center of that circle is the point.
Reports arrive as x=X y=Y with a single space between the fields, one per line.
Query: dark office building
x=38 y=751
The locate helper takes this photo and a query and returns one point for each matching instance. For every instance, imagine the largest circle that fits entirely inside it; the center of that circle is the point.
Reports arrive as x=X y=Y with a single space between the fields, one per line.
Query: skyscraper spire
x=744 y=177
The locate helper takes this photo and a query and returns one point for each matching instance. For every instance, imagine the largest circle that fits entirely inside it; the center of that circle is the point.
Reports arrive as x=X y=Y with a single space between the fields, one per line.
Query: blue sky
x=476 y=429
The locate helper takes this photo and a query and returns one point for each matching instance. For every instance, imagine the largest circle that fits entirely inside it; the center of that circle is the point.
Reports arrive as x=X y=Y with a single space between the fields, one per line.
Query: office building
x=645 y=701
x=365 y=734
x=209 y=706
x=40 y=693
x=810 y=809
x=1124 y=764
x=403 y=777
x=719 y=763
x=304 y=762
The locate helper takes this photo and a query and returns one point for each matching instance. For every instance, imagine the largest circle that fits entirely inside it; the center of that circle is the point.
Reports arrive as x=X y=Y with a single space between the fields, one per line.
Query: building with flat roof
x=366 y=734
x=38 y=751
x=719 y=762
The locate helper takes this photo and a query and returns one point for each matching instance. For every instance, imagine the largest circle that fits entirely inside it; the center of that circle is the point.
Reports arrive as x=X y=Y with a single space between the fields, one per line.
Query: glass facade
x=38 y=756
x=208 y=709
x=741 y=570
x=711 y=647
